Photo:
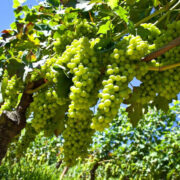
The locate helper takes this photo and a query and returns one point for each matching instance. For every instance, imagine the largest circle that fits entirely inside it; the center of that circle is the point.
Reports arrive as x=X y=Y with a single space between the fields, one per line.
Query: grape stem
x=165 y=8
x=155 y=54
x=164 y=68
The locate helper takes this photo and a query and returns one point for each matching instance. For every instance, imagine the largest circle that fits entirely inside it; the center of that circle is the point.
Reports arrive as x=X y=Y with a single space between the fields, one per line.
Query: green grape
x=166 y=84
x=172 y=56
x=154 y=31
x=80 y=28
x=45 y=108
x=11 y=88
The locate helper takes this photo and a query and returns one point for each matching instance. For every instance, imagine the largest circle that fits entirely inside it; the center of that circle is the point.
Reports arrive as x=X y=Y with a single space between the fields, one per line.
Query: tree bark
x=93 y=171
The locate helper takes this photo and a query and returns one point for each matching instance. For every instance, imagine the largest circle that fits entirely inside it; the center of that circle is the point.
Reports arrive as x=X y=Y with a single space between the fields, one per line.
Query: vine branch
x=164 y=68
x=159 y=52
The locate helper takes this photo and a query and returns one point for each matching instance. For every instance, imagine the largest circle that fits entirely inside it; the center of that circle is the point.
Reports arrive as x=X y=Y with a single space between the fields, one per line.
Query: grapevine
x=75 y=66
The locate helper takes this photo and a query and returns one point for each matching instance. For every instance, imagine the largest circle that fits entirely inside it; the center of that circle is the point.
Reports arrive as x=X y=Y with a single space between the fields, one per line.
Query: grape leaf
x=105 y=28
x=113 y=3
x=15 y=67
x=143 y=32
x=131 y=27
x=54 y=3
x=60 y=119
x=135 y=113
x=105 y=44
x=156 y=2
x=96 y=1
x=16 y=3
x=161 y=103
x=122 y=13
x=64 y=82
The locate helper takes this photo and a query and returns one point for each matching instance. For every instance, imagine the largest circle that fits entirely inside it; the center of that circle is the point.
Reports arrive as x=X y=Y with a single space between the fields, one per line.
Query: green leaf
x=55 y=3
x=4 y=84
x=122 y=13
x=15 y=67
x=156 y=2
x=161 y=103
x=143 y=32
x=131 y=27
x=16 y=3
x=59 y=118
x=113 y=3
x=58 y=67
x=96 y=1
x=42 y=27
x=105 y=28
x=105 y=44
x=64 y=82
x=135 y=113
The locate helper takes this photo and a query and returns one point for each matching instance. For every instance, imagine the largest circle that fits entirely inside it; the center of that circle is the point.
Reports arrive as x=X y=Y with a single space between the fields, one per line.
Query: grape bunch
x=124 y=62
x=11 y=88
x=172 y=56
x=79 y=28
x=163 y=83
x=154 y=32
x=45 y=107
x=82 y=63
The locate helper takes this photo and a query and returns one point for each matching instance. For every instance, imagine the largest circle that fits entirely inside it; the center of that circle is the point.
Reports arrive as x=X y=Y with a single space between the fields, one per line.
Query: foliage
x=121 y=151
x=86 y=54
x=148 y=151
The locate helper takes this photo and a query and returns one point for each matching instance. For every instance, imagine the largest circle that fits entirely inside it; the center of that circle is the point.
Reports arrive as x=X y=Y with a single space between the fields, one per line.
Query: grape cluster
x=162 y=83
x=124 y=62
x=80 y=28
x=172 y=56
x=82 y=63
x=154 y=31
x=45 y=108
x=11 y=88
x=166 y=83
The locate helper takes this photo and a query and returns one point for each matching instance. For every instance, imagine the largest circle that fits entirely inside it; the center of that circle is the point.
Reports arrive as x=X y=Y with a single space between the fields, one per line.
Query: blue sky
x=7 y=14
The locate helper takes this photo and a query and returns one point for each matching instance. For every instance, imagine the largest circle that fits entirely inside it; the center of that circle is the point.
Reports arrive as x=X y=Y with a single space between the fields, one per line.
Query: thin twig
x=64 y=172
x=164 y=68
x=170 y=10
